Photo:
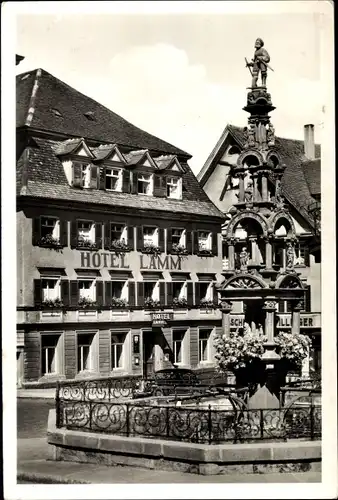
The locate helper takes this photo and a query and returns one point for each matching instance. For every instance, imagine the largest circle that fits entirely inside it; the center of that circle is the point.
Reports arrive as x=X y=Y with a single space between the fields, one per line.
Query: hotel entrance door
x=148 y=355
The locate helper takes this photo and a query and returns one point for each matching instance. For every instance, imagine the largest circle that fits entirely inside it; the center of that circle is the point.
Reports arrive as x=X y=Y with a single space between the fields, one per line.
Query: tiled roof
x=301 y=178
x=47 y=179
x=164 y=161
x=45 y=102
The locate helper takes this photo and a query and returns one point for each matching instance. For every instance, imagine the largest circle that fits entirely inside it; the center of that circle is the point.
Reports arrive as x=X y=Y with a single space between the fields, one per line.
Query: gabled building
x=119 y=247
x=237 y=182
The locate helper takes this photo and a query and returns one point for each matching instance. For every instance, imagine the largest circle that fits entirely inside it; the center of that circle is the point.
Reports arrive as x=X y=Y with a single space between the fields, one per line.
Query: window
x=178 y=338
x=50 y=289
x=205 y=291
x=86 y=231
x=84 y=352
x=114 y=179
x=150 y=236
x=179 y=290
x=145 y=184
x=203 y=345
x=204 y=240
x=178 y=238
x=85 y=175
x=174 y=187
x=302 y=254
x=87 y=289
x=118 y=232
x=117 y=343
x=50 y=227
x=50 y=354
x=151 y=291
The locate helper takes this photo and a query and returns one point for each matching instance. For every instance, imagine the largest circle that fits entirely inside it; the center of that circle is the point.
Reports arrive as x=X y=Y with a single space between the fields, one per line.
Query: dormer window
x=145 y=184
x=113 y=179
x=174 y=188
x=85 y=176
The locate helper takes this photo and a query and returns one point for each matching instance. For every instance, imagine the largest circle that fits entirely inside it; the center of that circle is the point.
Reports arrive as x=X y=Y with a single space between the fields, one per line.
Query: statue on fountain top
x=259 y=63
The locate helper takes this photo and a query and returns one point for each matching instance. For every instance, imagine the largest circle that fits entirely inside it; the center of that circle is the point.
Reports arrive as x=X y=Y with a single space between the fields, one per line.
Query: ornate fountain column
x=295 y=322
x=231 y=253
x=226 y=307
x=268 y=252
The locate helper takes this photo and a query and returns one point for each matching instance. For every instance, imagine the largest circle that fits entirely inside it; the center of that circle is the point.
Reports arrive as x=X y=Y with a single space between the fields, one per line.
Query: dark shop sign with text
x=120 y=261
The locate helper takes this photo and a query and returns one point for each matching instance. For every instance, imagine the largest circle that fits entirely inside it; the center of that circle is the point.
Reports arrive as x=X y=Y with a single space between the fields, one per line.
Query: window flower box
x=87 y=244
x=150 y=248
x=117 y=302
x=208 y=304
x=178 y=249
x=119 y=246
x=52 y=303
x=151 y=303
x=180 y=302
x=205 y=252
x=49 y=241
x=86 y=303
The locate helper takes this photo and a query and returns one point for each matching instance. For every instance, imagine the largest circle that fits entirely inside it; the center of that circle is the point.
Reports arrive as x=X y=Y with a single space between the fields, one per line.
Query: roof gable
x=78 y=115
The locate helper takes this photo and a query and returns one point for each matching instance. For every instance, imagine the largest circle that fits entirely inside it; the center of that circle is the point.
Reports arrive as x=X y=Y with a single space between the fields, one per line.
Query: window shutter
x=65 y=292
x=169 y=240
x=37 y=292
x=195 y=242
x=107 y=293
x=215 y=298
x=188 y=241
x=94 y=174
x=281 y=306
x=36 y=228
x=306 y=256
x=107 y=236
x=102 y=178
x=139 y=240
x=131 y=242
x=140 y=293
x=169 y=293
x=126 y=181
x=99 y=293
x=64 y=232
x=307 y=299
x=131 y=293
x=73 y=233
x=77 y=174
x=214 y=247
x=197 y=294
x=134 y=183
x=162 y=293
x=159 y=185
x=190 y=294
x=98 y=235
x=74 y=293
x=161 y=238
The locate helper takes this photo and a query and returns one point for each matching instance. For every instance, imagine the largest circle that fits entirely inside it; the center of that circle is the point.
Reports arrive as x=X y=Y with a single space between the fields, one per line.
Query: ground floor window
x=117 y=350
x=50 y=354
x=204 y=339
x=179 y=346
x=85 y=352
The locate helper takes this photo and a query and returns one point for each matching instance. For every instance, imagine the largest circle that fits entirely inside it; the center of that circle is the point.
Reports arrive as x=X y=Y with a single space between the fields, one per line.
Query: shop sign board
x=161 y=318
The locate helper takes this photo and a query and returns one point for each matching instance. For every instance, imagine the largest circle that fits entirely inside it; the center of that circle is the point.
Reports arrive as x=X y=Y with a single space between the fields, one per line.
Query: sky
x=181 y=77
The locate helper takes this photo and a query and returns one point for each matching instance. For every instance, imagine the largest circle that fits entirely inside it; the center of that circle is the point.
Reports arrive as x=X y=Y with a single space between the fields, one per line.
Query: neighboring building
x=241 y=176
x=118 y=245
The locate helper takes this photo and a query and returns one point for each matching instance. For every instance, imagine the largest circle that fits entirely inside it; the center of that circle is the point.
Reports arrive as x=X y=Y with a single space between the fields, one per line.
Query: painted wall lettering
x=155 y=262
x=103 y=259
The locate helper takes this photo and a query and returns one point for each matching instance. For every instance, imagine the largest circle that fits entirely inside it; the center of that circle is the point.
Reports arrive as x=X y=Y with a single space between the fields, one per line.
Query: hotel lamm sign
x=114 y=261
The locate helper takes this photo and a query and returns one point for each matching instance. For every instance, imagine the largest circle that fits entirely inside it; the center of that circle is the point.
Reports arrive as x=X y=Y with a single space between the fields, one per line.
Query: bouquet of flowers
x=293 y=346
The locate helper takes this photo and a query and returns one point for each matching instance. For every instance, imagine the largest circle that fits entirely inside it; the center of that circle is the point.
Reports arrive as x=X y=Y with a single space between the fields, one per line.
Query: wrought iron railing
x=102 y=389
x=191 y=424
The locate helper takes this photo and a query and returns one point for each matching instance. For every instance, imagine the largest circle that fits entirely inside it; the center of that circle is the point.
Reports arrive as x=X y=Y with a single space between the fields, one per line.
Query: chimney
x=309 y=141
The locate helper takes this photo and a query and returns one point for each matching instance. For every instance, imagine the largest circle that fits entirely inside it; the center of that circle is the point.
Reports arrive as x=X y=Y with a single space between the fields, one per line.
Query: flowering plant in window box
x=292 y=347
x=49 y=241
x=119 y=246
x=178 y=249
x=180 y=302
x=52 y=303
x=83 y=243
x=206 y=303
x=151 y=248
x=150 y=302
x=86 y=303
x=118 y=302
x=204 y=251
